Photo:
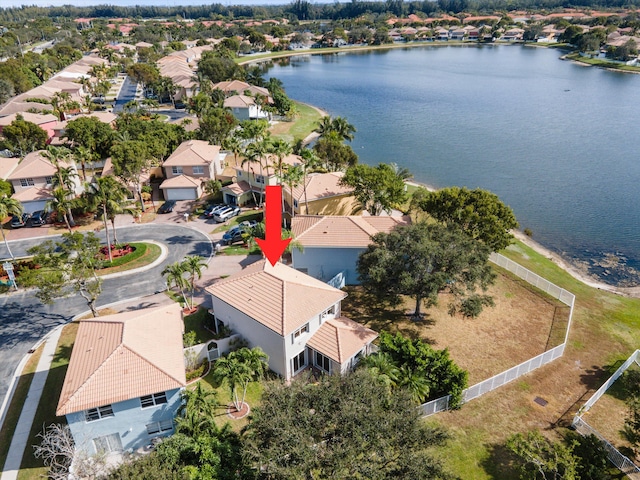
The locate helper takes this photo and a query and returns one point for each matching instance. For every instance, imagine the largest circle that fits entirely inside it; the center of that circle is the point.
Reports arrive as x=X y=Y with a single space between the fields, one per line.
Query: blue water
x=555 y=140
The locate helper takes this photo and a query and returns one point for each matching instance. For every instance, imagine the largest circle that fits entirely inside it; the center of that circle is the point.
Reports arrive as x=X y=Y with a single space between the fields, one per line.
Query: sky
x=124 y=3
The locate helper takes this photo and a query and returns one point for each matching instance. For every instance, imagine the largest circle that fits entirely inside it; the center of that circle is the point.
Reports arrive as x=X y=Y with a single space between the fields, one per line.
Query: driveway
x=127 y=93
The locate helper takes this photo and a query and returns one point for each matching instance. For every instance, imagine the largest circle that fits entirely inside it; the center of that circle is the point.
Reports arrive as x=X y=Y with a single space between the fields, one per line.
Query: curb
x=163 y=255
x=18 y=373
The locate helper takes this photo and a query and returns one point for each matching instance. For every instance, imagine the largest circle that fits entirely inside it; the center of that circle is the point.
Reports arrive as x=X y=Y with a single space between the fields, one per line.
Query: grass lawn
x=15 y=407
x=31 y=467
x=240 y=250
x=599 y=62
x=604 y=332
x=144 y=254
x=223 y=393
x=301 y=127
x=195 y=322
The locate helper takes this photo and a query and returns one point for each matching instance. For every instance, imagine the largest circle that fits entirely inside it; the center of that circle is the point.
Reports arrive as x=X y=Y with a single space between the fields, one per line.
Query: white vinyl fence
x=442 y=404
x=618 y=459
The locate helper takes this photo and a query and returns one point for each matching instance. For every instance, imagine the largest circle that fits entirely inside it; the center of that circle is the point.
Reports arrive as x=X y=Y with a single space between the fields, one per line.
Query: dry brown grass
x=519 y=327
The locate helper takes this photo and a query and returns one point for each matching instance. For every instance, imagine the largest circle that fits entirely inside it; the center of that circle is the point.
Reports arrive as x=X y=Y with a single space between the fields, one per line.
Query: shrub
x=198 y=372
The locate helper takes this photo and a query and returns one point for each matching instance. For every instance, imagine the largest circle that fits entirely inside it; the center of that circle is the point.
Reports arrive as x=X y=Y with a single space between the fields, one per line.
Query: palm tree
x=280 y=148
x=257 y=152
x=197 y=411
x=234 y=145
x=64 y=177
x=324 y=126
x=309 y=161
x=83 y=155
x=338 y=125
x=211 y=186
x=193 y=265
x=174 y=273
x=292 y=177
x=381 y=365
x=401 y=172
x=415 y=381
x=61 y=205
x=240 y=368
x=8 y=206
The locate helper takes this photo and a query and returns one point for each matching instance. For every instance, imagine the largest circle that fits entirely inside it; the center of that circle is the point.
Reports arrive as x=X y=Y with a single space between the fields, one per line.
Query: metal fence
x=618 y=459
x=625 y=465
x=479 y=389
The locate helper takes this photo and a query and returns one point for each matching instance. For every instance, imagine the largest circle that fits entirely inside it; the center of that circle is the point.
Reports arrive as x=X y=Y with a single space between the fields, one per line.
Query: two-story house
x=192 y=163
x=32 y=181
x=293 y=317
x=332 y=244
x=251 y=179
x=321 y=194
x=124 y=379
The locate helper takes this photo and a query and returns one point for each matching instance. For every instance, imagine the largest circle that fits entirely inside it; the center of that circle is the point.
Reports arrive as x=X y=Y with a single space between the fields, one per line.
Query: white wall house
x=124 y=379
x=332 y=244
x=293 y=317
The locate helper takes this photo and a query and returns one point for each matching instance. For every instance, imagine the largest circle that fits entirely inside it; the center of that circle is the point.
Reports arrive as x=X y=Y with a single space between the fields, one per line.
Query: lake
x=555 y=140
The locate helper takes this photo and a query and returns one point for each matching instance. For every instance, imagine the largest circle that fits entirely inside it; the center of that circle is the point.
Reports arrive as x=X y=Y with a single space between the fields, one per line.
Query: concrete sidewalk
x=23 y=428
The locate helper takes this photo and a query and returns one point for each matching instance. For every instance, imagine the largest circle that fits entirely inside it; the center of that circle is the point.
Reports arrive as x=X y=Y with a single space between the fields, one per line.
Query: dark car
x=38 y=219
x=211 y=209
x=19 y=221
x=167 y=207
x=235 y=234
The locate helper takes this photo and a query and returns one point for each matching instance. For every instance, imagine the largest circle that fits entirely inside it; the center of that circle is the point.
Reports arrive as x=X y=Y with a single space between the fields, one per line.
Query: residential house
x=331 y=244
x=32 y=181
x=244 y=107
x=126 y=372
x=250 y=181
x=294 y=318
x=323 y=195
x=238 y=87
x=193 y=162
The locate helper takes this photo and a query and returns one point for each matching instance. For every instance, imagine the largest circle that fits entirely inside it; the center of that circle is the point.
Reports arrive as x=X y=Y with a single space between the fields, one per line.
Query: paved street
x=127 y=93
x=24 y=320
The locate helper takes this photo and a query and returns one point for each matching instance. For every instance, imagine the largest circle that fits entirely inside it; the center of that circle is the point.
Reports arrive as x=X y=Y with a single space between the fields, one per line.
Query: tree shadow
x=379 y=314
x=594 y=377
x=201 y=249
x=500 y=463
x=179 y=240
x=250 y=259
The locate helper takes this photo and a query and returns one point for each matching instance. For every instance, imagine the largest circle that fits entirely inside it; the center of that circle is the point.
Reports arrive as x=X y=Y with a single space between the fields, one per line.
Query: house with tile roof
x=331 y=244
x=32 y=181
x=294 y=318
x=124 y=379
x=193 y=162
x=321 y=194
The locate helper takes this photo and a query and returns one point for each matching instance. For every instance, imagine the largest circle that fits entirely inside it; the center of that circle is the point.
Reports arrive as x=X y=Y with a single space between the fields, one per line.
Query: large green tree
x=216 y=124
x=67 y=267
x=23 y=137
x=340 y=427
x=239 y=368
x=379 y=189
x=333 y=153
x=8 y=206
x=90 y=133
x=421 y=260
x=218 y=69
x=479 y=213
x=131 y=159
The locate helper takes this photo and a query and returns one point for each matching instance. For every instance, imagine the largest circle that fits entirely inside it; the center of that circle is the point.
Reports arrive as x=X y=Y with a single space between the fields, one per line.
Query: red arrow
x=273 y=245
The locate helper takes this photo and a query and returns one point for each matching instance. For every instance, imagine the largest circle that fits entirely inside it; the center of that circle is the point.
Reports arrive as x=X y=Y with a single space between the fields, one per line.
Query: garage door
x=180 y=194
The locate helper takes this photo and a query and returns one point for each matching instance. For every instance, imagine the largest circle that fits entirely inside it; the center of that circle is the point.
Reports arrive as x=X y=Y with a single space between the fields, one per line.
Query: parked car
x=38 y=219
x=232 y=235
x=167 y=207
x=226 y=214
x=19 y=221
x=212 y=209
x=248 y=224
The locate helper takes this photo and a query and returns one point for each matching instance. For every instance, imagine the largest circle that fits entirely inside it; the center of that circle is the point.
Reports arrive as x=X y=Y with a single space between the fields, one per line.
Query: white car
x=226 y=214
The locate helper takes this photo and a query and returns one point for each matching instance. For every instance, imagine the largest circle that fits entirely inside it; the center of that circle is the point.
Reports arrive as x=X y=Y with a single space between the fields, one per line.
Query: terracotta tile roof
x=17 y=106
x=7 y=165
x=341 y=338
x=181 y=181
x=341 y=231
x=124 y=356
x=321 y=185
x=238 y=188
x=33 y=194
x=240 y=87
x=36 y=118
x=239 y=101
x=193 y=152
x=33 y=165
x=279 y=297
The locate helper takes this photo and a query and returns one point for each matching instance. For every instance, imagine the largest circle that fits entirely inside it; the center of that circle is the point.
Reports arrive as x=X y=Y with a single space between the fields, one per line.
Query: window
x=323 y=363
x=27 y=182
x=108 y=443
x=153 y=400
x=198 y=170
x=98 y=413
x=239 y=173
x=299 y=361
x=259 y=178
x=301 y=331
x=48 y=180
x=176 y=170
x=159 y=427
